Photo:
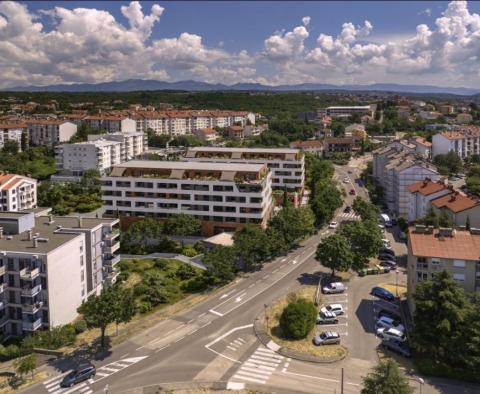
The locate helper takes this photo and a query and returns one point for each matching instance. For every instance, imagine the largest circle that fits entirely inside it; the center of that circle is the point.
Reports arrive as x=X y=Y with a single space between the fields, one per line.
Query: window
x=435 y=261
x=459 y=277
x=82 y=275
x=459 y=263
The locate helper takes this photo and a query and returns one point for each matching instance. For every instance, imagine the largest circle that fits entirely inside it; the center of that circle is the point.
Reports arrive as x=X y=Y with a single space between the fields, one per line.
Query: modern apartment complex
x=463 y=140
x=224 y=196
x=346 y=111
x=49 y=266
x=431 y=250
x=17 y=192
x=287 y=165
x=13 y=131
x=111 y=123
x=50 y=131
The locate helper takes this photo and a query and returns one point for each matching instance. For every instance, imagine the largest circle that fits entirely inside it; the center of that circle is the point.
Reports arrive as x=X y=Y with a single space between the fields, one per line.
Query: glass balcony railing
x=32 y=325
x=31 y=291
x=29 y=274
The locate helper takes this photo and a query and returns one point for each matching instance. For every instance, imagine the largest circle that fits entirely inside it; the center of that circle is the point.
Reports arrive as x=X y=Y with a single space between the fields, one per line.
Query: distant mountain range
x=195 y=86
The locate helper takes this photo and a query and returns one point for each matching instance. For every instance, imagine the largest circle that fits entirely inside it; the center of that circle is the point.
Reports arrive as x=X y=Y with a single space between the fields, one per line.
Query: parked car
x=327 y=338
x=335 y=308
x=387 y=251
x=333 y=225
x=83 y=372
x=327 y=318
x=347 y=209
x=391 y=333
x=386 y=256
x=400 y=348
x=353 y=192
x=391 y=315
x=381 y=226
x=382 y=293
x=388 y=263
x=335 y=287
x=387 y=322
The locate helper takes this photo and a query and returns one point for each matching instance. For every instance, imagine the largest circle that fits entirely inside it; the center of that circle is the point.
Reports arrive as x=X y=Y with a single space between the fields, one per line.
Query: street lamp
x=421 y=382
x=266 y=316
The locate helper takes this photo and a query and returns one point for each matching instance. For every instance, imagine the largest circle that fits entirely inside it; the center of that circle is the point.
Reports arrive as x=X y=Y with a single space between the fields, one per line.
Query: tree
x=182 y=225
x=386 y=378
x=324 y=201
x=364 y=209
x=449 y=163
x=11 y=147
x=298 y=318
x=334 y=252
x=26 y=364
x=431 y=218
x=100 y=310
x=220 y=263
x=252 y=246
x=125 y=308
x=445 y=220
x=146 y=236
x=293 y=224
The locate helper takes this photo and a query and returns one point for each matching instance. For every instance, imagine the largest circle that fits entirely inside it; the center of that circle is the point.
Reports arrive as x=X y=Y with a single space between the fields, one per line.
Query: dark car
x=389 y=314
x=397 y=347
x=384 y=251
x=388 y=263
x=347 y=209
x=386 y=256
x=83 y=372
x=382 y=293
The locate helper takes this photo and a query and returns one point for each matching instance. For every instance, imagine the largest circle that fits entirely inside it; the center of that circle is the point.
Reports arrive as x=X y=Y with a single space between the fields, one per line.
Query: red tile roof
x=456 y=202
x=426 y=187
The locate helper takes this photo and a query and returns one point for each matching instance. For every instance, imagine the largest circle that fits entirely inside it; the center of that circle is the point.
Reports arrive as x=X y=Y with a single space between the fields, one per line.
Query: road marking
x=126 y=362
x=235 y=386
x=231 y=348
x=319 y=378
x=208 y=345
x=193 y=332
x=227 y=294
x=206 y=324
x=250 y=379
x=282 y=260
x=266 y=276
x=67 y=391
x=253 y=284
x=179 y=339
x=190 y=321
x=125 y=355
x=156 y=351
x=203 y=314
x=275 y=270
x=294 y=262
x=215 y=312
x=56 y=377
x=138 y=348
x=101 y=374
x=238 y=299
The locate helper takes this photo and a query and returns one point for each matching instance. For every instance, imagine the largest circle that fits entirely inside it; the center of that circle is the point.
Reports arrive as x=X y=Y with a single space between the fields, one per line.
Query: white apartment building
x=223 y=196
x=287 y=165
x=422 y=146
x=49 y=266
x=464 y=141
x=17 y=192
x=50 y=131
x=346 y=111
x=133 y=143
x=111 y=123
x=12 y=131
x=421 y=195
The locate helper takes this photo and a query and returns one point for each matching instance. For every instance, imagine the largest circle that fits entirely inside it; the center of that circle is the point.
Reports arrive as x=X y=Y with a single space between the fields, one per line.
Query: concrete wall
x=66 y=131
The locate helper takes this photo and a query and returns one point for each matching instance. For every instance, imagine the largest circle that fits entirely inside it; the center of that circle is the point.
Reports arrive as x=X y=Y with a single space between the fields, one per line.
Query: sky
x=359 y=42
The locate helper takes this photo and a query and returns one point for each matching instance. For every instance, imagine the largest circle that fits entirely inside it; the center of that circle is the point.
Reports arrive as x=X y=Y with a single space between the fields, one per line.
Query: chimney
x=80 y=221
x=29 y=235
x=35 y=242
x=420 y=228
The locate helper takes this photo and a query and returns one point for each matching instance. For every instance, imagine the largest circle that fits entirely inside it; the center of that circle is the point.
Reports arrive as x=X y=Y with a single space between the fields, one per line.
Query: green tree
x=445 y=220
x=146 y=236
x=449 y=163
x=26 y=365
x=386 y=378
x=252 y=245
x=11 y=147
x=298 y=318
x=124 y=305
x=364 y=209
x=220 y=263
x=324 y=201
x=431 y=218
x=293 y=224
x=334 y=252
x=182 y=225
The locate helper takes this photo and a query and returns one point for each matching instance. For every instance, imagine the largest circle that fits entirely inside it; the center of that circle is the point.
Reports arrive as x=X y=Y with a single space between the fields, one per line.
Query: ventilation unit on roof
x=42 y=239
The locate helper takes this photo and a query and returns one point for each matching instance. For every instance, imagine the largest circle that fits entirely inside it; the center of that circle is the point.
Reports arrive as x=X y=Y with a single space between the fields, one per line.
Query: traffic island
x=268 y=331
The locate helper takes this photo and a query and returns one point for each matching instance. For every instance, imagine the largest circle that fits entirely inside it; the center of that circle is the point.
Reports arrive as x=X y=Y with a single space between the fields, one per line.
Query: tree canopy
x=298 y=318
x=334 y=252
x=448 y=164
x=220 y=263
x=386 y=378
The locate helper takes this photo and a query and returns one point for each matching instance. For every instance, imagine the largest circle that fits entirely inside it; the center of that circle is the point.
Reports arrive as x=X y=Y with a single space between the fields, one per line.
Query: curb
x=160 y=387
x=267 y=341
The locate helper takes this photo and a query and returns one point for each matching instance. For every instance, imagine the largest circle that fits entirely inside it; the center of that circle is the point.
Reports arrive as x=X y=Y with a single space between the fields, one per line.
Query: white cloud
x=91 y=45
x=426 y=11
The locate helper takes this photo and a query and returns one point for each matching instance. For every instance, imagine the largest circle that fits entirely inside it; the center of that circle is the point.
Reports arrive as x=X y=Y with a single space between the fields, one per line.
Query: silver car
x=327 y=338
x=333 y=288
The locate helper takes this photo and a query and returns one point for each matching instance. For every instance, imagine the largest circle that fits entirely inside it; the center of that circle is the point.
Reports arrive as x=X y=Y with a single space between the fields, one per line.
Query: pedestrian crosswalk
x=53 y=387
x=259 y=367
x=348 y=216
x=235 y=344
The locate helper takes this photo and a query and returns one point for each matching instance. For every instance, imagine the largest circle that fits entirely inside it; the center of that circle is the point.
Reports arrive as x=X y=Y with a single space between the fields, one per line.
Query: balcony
x=29 y=274
x=112 y=235
x=111 y=261
x=32 y=308
x=111 y=249
x=111 y=277
x=31 y=291
x=2 y=270
x=31 y=325
x=3 y=286
x=3 y=305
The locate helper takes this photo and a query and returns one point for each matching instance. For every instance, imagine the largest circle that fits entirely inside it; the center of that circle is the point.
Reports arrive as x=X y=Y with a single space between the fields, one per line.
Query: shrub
x=195 y=285
x=145 y=307
x=298 y=319
x=185 y=272
x=161 y=264
x=189 y=251
x=80 y=326
x=140 y=289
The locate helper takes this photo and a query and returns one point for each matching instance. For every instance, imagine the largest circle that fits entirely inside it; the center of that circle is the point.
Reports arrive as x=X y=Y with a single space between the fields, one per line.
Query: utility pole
x=341 y=387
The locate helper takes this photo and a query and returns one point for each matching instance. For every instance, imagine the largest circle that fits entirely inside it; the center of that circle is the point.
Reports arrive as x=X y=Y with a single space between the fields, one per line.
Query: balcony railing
x=112 y=235
x=32 y=325
x=111 y=277
x=31 y=291
x=32 y=308
x=29 y=274
x=3 y=286
x=111 y=249
x=2 y=270
x=112 y=260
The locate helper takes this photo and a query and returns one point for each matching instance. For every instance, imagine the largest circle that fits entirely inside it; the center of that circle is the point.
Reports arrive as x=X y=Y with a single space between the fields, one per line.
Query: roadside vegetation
x=37 y=162
x=386 y=377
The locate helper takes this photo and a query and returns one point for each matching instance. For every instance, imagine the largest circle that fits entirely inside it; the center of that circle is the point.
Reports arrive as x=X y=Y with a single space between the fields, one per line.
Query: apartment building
x=287 y=165
x=224 y=196
x=340 y=145
x=133 y=144
x=314 y=147
x=459 y=206
x=235 y=132
x=13 y=130
x=206 y=134
x=346 y=111
x=50 y=131
x=421 y=195
x=463 y=140
x=49 y=266
x=431 y=250
x=17 y=192
x=111 y=123
x=422 y=146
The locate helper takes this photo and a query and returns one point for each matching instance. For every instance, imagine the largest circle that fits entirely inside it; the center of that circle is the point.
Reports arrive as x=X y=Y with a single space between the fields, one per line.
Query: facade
x=339 y=145
x=422 y=146
x=13 y=131
x=49 y=266
x=50 y=131
x=235 y=132
x=207 y=134
x=111 y=123
x=346 y=111
x=17 y=192
x=133 y=144
x=287 y=165
x=446 y=109
x=464 y=141
x=356 y=130
x=223 y=196
x=431 y=250
x=421 y=195
x=314 y=147
x=459 y=206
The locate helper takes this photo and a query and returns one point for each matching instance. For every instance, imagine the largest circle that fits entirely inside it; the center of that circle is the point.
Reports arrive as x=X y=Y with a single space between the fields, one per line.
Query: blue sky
x=215 y=41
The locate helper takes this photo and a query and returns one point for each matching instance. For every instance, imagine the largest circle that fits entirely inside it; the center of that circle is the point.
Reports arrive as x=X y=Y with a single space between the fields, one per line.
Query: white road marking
x=158 y=350
x=231 y=348
x=215 y=312
x=56 y=378
x=179 y=339
x=62 y=390
x=319 y=378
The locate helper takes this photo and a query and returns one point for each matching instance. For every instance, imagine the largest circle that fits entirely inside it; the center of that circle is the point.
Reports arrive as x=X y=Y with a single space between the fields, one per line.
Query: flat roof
x=244 y=150
x=191 y=165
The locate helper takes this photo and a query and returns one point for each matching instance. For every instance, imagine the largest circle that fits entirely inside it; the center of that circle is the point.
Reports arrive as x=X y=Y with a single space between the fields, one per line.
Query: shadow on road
x=364 y=314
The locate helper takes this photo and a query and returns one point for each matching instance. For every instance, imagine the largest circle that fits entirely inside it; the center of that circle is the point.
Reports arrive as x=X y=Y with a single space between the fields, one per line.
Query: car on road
x=327 y=338
x=391 y=333
x=382 y=293
x=327 y=317
x=386 y=244
x=347 y=209
x=346 y=180
x=400 y=348
x=80 y=374
x=391 y=315
x=387 y=256
x=333 y=225
x=388 y=263
x=353 y=192
x=333 y=288
x=335 y=308
x=386 y=251
x=387 y=322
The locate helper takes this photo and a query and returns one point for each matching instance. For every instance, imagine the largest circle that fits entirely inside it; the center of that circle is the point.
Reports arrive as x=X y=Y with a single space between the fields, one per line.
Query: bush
x=185 y=272
x=140 y=289
x=145 y=307
x=298 y=319
x=80 y=326
x=189 y=251
x=161 y=264
x=195 y=285
x=55 y=338
x=11 y=351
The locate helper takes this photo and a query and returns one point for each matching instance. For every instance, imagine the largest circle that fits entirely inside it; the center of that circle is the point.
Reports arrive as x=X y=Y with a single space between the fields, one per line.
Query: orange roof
x=8 y=181
x=456 y=202
x=207 y=130
x=306 y=144
x=423 y=141
x=45 y=121
x=453 y=135
x=462 y=245
x=9 y=124
x=426 y=187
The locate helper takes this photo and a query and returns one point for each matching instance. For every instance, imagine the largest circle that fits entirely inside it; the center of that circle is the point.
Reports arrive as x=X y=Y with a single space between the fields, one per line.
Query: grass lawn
x=303 y=345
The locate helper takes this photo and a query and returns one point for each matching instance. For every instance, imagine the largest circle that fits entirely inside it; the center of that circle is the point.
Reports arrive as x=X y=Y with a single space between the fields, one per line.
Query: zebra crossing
x=235 y=344
x=348 y=216
x=258 y=368
x=53 y=385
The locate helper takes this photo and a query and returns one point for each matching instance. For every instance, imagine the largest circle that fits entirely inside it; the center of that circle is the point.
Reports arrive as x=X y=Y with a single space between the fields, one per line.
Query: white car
x=387 y=322
x=335 y=308
x=391 y=333
x=335 y=287
x=333 y=225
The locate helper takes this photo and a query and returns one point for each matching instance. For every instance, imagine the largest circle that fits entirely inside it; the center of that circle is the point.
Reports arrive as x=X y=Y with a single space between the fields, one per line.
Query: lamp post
x=421 y=382
x=266 y=316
